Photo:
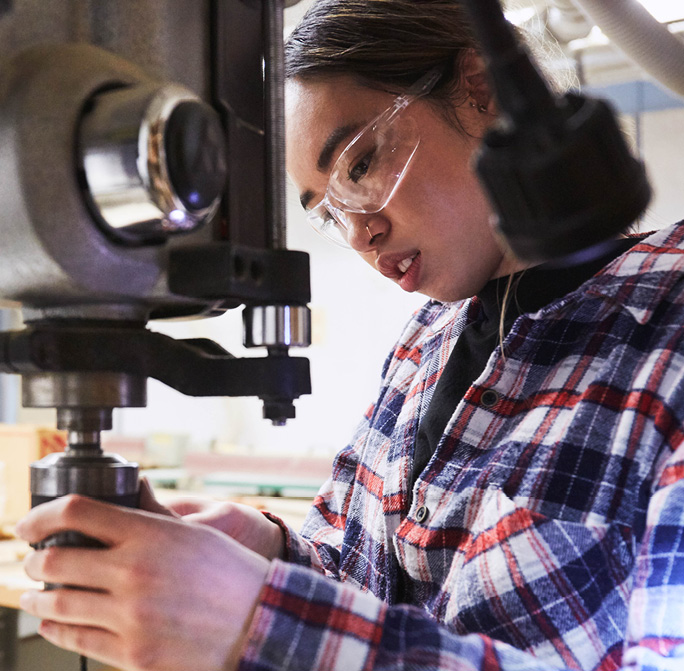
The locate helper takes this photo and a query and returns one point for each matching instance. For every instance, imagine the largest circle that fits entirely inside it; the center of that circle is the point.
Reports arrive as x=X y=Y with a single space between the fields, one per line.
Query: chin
x=443 y=296
x=451 y=294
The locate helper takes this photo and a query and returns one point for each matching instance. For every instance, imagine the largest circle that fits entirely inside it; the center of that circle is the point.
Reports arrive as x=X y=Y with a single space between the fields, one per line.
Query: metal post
x=9 y=384
x=275 y=121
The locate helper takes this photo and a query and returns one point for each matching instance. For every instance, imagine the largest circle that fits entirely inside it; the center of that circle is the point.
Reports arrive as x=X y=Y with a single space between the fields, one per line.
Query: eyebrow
x=306 y=197
x=332 y=143
x=325 y=157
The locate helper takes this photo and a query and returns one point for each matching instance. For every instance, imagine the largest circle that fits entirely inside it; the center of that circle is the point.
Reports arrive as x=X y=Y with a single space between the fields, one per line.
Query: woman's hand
x=163 y=595
x=243 y=523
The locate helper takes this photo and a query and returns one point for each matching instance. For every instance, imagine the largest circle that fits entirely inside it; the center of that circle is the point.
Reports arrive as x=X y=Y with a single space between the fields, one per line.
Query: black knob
x=196 y=154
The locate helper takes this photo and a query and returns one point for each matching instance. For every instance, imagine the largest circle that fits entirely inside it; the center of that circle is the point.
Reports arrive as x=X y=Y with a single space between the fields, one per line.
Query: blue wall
x=637 y=97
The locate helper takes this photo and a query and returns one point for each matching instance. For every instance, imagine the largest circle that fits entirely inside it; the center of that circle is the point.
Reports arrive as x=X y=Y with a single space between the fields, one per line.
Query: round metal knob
x=153 y=160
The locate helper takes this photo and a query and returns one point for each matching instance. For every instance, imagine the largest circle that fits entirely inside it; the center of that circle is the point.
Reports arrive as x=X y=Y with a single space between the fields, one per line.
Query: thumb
x=148 y=502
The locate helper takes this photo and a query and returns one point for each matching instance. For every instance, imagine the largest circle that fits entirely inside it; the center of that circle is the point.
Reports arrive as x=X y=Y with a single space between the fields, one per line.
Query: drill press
x=142 y=177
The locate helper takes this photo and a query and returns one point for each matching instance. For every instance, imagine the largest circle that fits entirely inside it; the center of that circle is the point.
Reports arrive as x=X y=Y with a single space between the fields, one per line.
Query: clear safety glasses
x=369 y=170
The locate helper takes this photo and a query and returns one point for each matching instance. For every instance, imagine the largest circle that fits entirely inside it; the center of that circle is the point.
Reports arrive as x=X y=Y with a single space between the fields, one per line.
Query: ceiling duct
x=637 y=33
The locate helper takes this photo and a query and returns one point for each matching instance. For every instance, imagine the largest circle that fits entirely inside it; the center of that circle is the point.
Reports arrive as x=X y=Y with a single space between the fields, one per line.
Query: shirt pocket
x=526 y=578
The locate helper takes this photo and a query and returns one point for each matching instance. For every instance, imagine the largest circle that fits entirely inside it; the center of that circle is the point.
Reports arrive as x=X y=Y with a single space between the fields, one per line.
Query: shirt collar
x=639 y=280
x=532 y=289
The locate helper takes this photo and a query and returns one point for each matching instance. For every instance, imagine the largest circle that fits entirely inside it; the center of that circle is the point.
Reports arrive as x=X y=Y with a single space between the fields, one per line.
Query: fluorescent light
x=519 y=16
x=665 y=10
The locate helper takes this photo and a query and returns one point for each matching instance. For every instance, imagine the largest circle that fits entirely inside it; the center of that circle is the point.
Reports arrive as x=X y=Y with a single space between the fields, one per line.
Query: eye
x=330 y=222
x=360 y=168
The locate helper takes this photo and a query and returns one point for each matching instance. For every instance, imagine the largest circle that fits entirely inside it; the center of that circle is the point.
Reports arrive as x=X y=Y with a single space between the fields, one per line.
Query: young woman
x=514 y=499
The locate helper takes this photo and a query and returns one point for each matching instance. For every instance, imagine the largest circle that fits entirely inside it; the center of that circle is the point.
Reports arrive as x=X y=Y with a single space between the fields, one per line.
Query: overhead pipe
x=641 y=37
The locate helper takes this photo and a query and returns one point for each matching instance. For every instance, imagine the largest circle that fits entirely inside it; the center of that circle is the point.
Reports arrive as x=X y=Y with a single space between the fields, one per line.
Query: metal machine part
x=277 y=326
x=52 y=253
x=141 y=176
x=122 y=126
x=83 y=469
x=85 y=403
x=154 y=160
x=127 y=356
x=83 y=390
x=164 y=193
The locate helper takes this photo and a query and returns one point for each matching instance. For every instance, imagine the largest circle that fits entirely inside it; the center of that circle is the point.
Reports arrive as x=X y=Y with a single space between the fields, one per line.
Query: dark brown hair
x=384 y=44
x=391 y=44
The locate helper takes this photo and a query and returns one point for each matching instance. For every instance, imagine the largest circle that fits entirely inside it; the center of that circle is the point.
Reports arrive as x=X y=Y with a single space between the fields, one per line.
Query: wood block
x=20 y=446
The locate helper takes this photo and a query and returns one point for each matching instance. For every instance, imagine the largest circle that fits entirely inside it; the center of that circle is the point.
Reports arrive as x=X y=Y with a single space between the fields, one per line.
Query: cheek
x=442 y=180
x=443 y=200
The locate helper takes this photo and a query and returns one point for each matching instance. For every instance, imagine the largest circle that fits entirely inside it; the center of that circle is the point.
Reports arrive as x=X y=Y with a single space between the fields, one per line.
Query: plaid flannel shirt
x=547 y=531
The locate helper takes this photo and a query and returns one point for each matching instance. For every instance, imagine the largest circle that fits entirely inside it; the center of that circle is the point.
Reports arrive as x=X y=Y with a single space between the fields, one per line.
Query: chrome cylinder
x=84 y=470
x=87 y=471
x=154 y=161
x=277 y=326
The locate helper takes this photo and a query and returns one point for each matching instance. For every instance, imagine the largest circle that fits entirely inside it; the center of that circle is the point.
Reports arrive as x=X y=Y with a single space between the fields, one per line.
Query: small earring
x=482 y=109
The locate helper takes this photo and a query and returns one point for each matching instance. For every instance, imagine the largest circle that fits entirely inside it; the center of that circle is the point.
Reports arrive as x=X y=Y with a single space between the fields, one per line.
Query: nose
x=365 y=231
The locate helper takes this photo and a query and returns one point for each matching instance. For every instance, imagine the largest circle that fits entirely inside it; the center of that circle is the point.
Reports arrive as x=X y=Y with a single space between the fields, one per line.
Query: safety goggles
x=370 y=169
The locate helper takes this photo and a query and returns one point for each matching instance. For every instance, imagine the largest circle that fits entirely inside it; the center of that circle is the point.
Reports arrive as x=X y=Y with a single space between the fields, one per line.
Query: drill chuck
x=84 y=470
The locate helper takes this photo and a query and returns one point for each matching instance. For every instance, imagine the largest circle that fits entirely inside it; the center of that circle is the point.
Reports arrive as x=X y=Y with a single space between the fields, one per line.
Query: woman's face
x=438 y=216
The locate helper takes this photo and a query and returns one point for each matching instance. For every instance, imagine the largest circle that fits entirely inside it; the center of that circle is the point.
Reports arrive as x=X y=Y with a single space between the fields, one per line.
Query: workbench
x=13 y=580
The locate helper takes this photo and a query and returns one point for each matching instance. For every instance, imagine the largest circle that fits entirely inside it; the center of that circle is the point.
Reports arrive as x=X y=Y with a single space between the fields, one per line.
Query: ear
x=475 y=82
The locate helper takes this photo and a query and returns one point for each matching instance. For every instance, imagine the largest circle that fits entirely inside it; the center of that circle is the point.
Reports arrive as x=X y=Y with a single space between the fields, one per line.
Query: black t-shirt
x=530 y=290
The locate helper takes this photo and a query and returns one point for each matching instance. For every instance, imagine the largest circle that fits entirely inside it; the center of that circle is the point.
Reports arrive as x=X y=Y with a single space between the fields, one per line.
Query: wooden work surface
x=13 y=580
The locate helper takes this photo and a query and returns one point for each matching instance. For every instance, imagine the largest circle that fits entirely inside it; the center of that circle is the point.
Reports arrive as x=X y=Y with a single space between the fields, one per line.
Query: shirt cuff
x=295 y=548
x=305 y=620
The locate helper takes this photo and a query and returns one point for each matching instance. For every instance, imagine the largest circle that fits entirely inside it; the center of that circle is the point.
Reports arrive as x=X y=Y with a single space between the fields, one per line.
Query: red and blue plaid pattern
x=547 y=531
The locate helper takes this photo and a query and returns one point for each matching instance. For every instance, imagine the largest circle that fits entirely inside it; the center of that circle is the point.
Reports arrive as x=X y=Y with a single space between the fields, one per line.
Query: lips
x=402 y=268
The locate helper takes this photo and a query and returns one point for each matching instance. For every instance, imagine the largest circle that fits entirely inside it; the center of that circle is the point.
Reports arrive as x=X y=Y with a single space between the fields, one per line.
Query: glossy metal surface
x=277 y=326
x=86 y=471
x=127 y=169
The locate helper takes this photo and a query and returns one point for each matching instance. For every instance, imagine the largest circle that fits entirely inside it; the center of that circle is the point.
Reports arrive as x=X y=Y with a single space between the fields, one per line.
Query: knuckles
x=79 y=638
x=139 y=615
x=58 y=603
x=74 y=507
x=48 y=564
x=142 y=655
x=139 y=575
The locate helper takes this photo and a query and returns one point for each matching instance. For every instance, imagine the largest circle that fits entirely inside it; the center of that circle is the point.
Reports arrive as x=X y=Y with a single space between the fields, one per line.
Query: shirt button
x=489 y=398
x=422 y=514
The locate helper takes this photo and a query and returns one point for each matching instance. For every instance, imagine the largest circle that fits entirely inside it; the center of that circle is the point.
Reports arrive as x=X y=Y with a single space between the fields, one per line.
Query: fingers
x=75 y=607
x=107 y=523
x=89 y=641
x=191 y=505
x=83 y=567
x=149 y=502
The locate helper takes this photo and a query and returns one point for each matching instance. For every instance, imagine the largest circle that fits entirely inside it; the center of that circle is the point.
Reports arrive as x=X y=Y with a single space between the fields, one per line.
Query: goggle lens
x=369 y=170
x=330 y=222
